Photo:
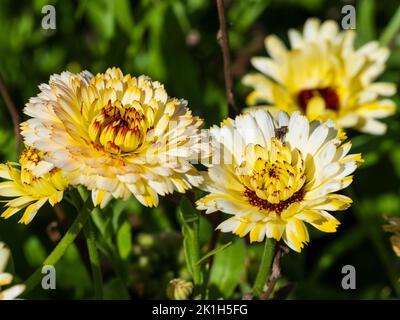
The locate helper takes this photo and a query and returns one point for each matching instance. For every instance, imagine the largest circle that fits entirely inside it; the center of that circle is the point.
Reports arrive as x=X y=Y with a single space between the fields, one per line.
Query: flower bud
x=179 y=289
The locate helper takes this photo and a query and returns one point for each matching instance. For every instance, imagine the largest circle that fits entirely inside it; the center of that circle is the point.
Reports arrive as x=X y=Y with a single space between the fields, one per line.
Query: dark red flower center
x=328 y=94
x=277 y=207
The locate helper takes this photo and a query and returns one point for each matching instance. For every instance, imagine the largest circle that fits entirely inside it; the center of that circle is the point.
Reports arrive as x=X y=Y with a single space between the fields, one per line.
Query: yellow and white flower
x=6 y=278
x=115 y=134
x=394 y=227
x=31 y=183
x=277 y=174
x=325 y=77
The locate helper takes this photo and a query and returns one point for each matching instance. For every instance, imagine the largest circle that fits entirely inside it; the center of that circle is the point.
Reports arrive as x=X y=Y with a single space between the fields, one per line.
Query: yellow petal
x=315 y=108
x=31 y=211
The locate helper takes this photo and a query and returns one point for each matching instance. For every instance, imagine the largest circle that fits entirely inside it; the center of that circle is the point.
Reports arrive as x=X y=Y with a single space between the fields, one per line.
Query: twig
x=223 y=40
x=62 y=217
x=14 y=114
x=275 y=273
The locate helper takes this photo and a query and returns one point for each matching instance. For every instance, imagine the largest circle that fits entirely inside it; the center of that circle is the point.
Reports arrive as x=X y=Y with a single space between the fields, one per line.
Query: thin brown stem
x=223 y=40
x=275 y=272
x=16 y=119
x=62 y=217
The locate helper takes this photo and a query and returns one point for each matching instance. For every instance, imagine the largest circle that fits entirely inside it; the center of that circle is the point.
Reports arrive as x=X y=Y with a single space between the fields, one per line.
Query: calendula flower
x=115 y=134
x=325 y=77
x=394 y=227
x=6 y=278
x=31 y=183
x=277 y=175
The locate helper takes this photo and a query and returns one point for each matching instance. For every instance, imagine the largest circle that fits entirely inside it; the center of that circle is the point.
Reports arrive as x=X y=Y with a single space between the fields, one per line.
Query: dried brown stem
x=16 y=119
x=62 y=217
x=223 y=40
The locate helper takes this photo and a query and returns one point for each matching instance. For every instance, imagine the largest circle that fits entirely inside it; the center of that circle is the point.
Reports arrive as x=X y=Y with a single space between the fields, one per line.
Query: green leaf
x=228 y=267
x=395 y=157
x=156 y=60
x=115 y=290
x=7 y=142
x=34 y=251
x=214 y=252
x=104 y=223
x=180 y=13
x=101 y=15
x=391 y=29
x=244 y=12
x=124 y=240
x=124 y=17
x=366 y=20
x=189 y=220
x=114 y=249
x=80 y=281
x=342 y=245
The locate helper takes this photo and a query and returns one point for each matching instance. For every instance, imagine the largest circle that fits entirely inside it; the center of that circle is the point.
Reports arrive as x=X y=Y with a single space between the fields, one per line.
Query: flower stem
x=391 y=29
x=62 y=246
x=94 y=260
x=189 y=220
x=265 y=266
x=223 y=39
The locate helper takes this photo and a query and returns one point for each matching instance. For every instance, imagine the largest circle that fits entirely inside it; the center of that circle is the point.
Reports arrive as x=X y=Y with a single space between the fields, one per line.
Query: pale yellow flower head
x=179 y=289
x=116 y=134
x=275 y=175
x=325 y=77
x=394 y=227
x=31 y=183
x=6 y=278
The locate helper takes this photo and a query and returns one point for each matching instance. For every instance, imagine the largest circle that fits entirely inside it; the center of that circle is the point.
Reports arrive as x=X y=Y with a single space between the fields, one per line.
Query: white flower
x=282 y=174
x=6 y=278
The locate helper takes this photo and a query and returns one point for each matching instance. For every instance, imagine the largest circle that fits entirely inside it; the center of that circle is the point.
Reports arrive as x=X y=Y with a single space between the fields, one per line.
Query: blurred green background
x=174 y=41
